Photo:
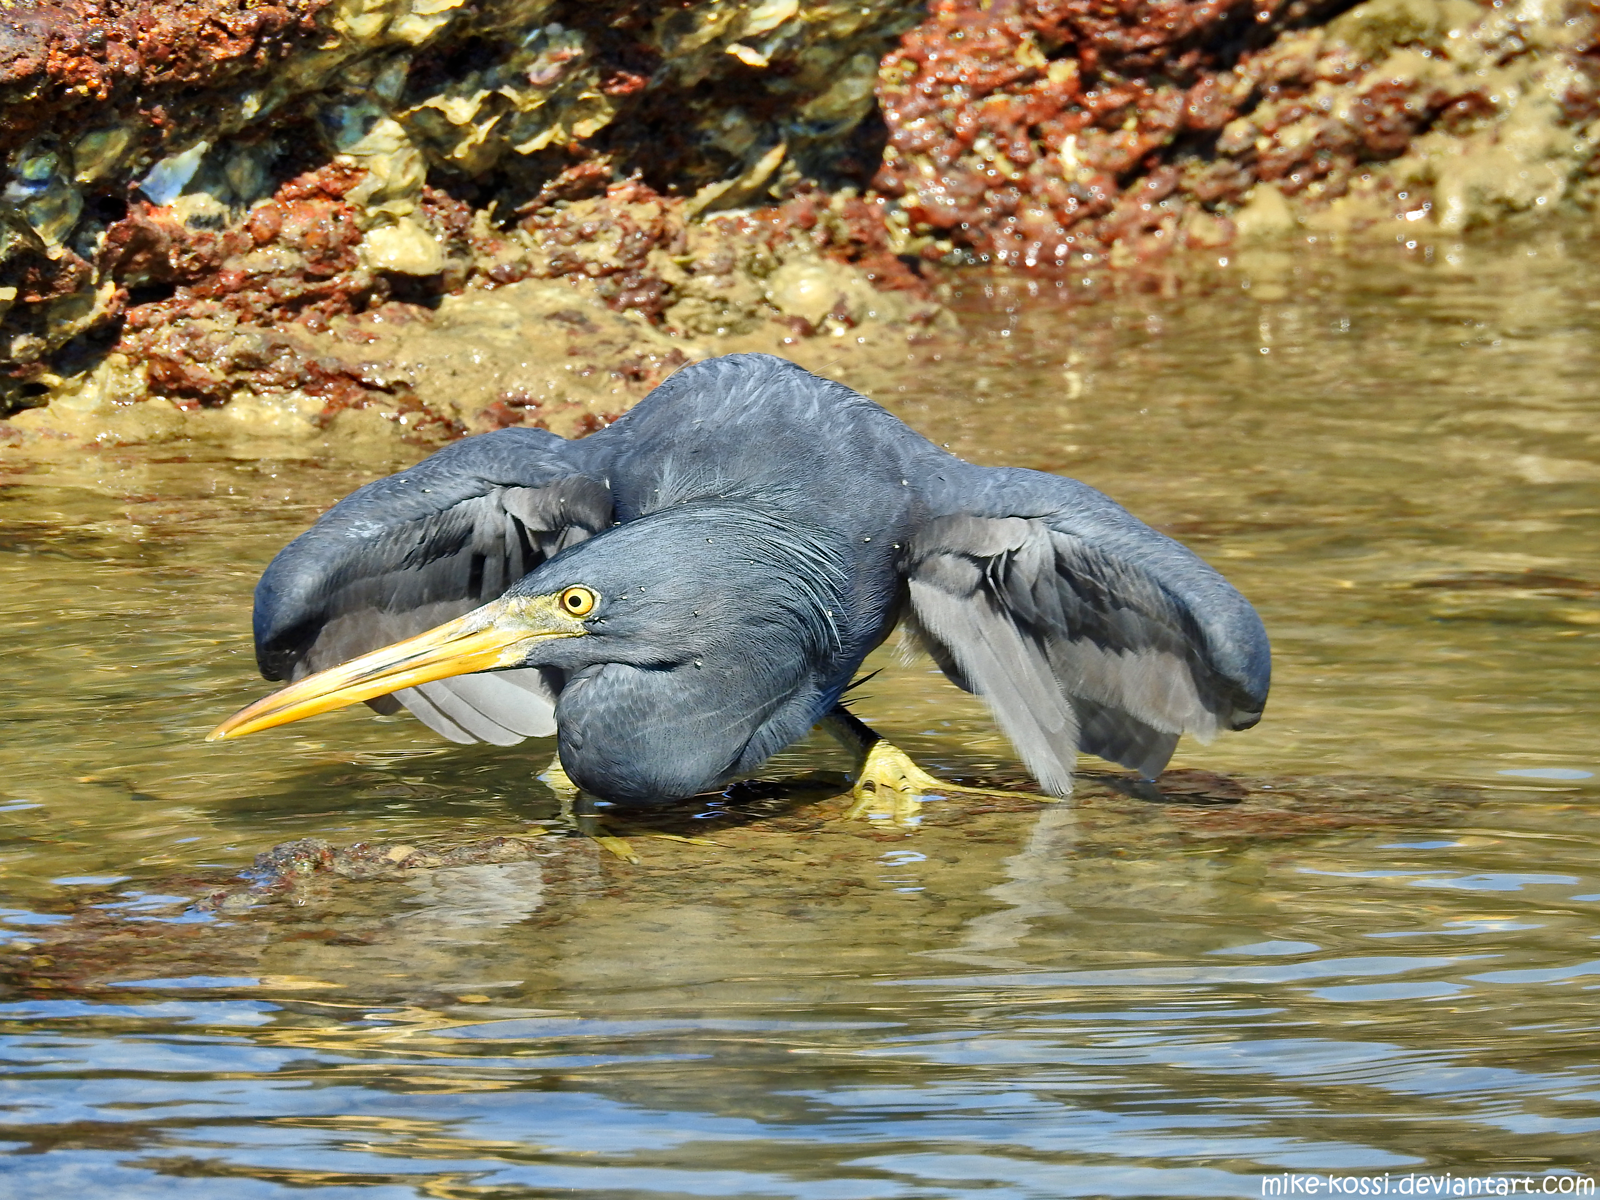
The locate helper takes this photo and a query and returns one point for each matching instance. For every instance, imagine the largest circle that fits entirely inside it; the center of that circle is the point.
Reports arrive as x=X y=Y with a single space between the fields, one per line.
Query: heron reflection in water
x=681 y=595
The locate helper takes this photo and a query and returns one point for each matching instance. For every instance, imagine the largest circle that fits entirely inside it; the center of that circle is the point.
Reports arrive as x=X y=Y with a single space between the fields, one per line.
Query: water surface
x=1383 y=958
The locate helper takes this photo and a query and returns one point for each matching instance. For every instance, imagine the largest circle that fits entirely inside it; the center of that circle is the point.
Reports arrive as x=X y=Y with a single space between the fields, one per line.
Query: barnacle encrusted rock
x=290 y=163
x=1037 y=131
x=182 y=180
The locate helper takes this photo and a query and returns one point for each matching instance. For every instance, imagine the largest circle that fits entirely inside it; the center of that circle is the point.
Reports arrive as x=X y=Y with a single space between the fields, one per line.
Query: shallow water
x=1383 y=959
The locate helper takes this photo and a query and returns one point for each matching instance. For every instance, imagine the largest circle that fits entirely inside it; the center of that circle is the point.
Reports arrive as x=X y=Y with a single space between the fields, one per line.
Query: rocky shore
x=433 y=217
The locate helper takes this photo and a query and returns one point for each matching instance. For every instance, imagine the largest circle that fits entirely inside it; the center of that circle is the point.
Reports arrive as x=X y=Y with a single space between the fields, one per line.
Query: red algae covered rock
x=298 y=162
x=1028 y=131
x=285 y=325
x=206 y=203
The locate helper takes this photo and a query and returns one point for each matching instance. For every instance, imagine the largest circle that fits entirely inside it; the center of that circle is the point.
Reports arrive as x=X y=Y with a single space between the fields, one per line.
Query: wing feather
x=1083 y=628
x=416 y=549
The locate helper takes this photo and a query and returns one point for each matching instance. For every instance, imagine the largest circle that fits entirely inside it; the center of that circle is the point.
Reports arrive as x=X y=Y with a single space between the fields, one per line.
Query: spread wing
x=416 y=549
x=1082 y=627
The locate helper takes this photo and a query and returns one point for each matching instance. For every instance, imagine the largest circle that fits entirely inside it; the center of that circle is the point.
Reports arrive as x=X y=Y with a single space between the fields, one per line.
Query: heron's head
x=708 y=583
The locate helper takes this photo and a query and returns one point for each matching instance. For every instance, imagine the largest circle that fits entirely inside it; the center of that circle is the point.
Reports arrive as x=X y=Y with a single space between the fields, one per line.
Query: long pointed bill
x=496 y=635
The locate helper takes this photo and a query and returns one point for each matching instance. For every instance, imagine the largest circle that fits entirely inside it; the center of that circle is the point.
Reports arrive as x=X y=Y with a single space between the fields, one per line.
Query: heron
x=682 y=594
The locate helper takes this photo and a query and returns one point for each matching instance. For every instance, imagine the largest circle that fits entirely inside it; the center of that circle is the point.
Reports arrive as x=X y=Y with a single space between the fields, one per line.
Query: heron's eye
x=577 y=601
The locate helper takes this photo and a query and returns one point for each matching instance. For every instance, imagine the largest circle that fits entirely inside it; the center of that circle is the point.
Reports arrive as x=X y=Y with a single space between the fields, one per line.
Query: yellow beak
x=497 y=635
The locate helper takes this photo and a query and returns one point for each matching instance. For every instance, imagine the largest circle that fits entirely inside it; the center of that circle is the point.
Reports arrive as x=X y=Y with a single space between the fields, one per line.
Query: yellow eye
x=577 y=601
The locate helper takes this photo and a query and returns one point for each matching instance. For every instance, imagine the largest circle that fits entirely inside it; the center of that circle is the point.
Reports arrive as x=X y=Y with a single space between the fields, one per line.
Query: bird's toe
x=891 y=785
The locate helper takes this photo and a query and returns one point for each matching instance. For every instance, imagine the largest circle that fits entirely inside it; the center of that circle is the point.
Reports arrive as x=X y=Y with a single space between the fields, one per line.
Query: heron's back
x=757 y=429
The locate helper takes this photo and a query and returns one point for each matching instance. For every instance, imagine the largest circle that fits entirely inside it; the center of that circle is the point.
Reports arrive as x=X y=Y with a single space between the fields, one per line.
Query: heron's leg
x=578 y=811
x=887 y=780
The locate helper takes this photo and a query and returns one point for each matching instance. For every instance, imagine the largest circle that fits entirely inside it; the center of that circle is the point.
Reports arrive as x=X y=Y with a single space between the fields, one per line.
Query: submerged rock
x=404 y=919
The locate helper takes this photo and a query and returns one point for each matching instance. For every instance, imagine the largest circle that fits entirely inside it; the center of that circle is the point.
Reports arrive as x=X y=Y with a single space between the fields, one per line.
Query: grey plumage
x=753 y=532
x=1081 y=627
x=411 y=551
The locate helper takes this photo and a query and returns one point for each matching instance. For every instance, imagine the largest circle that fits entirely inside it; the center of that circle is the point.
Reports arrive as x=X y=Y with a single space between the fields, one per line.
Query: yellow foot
x=616 y=845
x=620 y=846
x=558 y=781
x=589 y=824
x=595 y=827
x=678 y=837
x=889 y=783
